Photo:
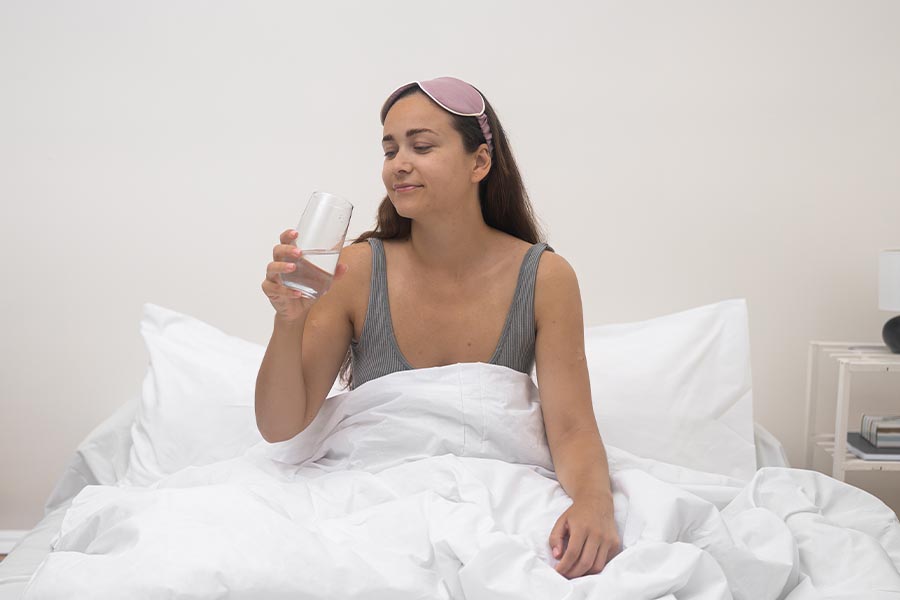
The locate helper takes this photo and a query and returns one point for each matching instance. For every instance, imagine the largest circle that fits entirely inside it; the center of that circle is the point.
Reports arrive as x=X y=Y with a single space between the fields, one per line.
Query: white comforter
x=438 y=484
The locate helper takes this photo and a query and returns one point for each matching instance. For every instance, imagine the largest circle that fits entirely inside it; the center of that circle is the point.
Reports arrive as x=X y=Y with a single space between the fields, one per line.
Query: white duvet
x=438 y=483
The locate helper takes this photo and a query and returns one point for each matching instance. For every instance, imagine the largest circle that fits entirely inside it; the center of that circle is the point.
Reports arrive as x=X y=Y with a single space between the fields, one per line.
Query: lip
x=406 y=188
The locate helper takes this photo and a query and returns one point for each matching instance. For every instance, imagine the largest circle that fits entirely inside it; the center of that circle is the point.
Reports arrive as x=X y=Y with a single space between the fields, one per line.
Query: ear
x=482 y=163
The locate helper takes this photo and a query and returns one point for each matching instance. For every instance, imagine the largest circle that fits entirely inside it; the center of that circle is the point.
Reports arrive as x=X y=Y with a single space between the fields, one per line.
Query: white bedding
x=100 y=459
x=437 y=483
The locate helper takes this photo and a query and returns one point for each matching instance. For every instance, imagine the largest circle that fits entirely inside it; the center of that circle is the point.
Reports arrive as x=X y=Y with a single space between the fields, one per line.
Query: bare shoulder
x=358 y=258
x=553 y=269
x=356 y=255
x=344 y=295
x=555 y=286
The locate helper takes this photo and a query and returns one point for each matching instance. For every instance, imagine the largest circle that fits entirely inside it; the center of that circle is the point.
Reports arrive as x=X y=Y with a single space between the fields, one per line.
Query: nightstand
x=851 y=358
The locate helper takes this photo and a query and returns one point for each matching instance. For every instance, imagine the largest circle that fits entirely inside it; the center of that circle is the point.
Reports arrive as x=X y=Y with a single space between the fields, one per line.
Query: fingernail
x=555 y=552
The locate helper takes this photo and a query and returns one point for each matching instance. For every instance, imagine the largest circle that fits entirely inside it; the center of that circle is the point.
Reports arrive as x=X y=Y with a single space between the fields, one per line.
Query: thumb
x=557 y=535
x=341 y=269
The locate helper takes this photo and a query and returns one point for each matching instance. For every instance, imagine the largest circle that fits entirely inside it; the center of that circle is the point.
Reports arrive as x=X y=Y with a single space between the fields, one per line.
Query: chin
x=404 y=208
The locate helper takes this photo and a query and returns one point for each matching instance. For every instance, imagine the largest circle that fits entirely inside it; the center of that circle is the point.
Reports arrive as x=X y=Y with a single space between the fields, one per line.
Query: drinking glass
x=320 y=237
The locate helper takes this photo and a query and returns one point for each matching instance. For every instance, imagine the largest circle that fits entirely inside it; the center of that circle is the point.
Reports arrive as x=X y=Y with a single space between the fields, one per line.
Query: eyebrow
x=409 y=133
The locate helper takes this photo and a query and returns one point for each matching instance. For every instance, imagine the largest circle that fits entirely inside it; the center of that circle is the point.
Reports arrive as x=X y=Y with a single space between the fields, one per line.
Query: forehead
x=416 y=111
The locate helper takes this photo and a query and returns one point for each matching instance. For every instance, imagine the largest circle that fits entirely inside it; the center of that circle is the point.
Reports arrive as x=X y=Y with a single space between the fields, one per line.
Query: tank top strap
x=377 y=313
x=375 y=354
x=378 y=291
x=516 y=347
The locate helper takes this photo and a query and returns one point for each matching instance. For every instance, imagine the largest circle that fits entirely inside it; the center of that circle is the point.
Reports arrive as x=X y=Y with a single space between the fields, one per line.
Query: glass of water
x=320 y=237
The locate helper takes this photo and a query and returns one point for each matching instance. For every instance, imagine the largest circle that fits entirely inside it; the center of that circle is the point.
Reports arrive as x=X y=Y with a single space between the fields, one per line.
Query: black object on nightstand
x=891 y=334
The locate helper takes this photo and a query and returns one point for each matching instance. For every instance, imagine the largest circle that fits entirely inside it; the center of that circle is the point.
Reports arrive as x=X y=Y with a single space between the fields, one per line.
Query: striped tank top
x=376 y=353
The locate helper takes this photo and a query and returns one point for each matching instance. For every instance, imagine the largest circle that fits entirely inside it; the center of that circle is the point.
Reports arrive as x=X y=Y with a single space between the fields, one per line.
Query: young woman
x=469 y=281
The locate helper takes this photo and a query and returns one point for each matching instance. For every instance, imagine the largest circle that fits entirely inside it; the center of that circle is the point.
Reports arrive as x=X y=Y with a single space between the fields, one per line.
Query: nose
x=400 y=163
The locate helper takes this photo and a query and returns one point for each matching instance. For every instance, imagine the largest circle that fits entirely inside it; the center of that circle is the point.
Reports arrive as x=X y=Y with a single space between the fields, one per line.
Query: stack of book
x=878 y=438
x=881 y=432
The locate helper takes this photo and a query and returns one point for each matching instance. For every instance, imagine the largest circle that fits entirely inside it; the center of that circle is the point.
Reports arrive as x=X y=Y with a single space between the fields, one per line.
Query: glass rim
x=328 y=196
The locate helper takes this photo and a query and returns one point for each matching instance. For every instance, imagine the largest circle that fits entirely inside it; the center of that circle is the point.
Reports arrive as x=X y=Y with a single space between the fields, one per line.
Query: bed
x=438 y=484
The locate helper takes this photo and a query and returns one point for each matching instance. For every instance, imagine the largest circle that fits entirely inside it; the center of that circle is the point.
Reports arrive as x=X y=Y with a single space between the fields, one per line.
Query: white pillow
x=197 y=402
x=677 y=388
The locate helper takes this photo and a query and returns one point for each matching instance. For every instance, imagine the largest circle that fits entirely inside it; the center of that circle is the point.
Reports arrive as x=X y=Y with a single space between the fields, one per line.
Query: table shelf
x=853 y=462
x=851 y=357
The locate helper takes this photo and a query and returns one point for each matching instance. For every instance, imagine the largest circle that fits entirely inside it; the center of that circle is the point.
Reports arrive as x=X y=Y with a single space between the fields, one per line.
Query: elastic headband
x=453 y=95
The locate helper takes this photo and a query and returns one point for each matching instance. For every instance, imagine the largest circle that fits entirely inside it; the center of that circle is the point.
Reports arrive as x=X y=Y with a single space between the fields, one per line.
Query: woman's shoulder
x=552 y=266
x=518 y=246
x=557 y=294
x=357 y=251
x=515 y=250
x=358 y=258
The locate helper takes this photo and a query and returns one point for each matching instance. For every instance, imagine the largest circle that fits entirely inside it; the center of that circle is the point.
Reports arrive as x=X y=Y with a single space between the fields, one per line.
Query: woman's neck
x=451 y=248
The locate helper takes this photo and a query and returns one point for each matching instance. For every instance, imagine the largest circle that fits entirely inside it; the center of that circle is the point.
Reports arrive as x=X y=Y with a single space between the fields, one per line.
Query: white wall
x=679 y=153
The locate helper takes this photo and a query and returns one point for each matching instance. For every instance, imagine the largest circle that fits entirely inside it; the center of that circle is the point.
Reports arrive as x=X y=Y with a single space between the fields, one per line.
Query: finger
x=286 y=252
x=288 y=236
x=557 y=535
x=588 y=556
x=277 y=290
x=586 y=559
x=275 y=268
x=601 y=559
x=577 y=539
x=616 y=548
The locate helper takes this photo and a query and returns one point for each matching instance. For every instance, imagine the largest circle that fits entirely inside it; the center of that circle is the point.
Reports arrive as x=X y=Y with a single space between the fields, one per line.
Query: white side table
x=851 y=358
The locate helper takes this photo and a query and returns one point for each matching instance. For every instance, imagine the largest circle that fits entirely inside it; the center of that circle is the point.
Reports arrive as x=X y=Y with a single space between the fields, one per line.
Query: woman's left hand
x=593 y=538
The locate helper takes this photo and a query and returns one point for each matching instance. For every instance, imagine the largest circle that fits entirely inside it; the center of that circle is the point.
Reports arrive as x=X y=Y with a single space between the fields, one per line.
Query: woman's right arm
x=308 y=344
x=280 y=387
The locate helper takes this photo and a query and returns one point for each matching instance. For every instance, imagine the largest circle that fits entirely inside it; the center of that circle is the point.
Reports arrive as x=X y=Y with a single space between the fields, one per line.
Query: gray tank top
x=376 y=353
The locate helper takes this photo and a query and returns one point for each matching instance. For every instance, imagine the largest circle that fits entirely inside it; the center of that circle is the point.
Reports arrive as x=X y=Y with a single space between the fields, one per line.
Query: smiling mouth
x=407 y=188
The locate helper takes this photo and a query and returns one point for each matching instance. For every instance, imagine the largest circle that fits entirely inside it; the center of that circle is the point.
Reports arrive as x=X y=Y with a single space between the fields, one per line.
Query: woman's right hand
x=288 y=303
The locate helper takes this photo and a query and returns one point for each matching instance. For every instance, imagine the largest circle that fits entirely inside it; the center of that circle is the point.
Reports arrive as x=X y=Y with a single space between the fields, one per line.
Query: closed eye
x=390 y=153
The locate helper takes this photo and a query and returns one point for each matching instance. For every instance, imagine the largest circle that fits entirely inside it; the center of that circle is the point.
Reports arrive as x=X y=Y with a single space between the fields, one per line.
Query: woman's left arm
x=575 y=445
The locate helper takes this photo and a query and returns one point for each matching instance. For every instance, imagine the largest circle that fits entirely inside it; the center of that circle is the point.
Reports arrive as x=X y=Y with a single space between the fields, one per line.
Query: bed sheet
x=366 y=503
x=17 y=569
x=101 y=458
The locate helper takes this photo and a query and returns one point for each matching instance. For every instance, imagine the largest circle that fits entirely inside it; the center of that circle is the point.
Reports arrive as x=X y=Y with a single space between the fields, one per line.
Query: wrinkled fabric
x=438 y=483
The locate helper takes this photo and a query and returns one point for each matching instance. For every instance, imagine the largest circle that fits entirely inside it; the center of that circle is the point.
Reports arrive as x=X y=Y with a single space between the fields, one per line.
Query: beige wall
x=679 y=153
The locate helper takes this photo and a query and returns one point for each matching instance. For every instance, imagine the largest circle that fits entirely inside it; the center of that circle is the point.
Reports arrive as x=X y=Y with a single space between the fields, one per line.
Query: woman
x=466 y=270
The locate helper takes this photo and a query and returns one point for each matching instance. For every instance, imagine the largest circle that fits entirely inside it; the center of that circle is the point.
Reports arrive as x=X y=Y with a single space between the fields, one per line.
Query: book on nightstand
x=858 y=445
x=882 y=431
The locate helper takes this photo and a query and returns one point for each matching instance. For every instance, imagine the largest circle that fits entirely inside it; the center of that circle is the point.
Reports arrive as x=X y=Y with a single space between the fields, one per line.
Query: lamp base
x=891 y=334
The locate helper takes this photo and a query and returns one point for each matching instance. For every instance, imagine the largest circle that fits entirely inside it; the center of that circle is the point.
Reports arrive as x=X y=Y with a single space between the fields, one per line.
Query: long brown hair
x=504 y=201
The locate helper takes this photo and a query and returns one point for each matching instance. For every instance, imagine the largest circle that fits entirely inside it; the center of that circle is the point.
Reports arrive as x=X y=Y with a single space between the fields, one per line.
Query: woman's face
x=422 y=149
